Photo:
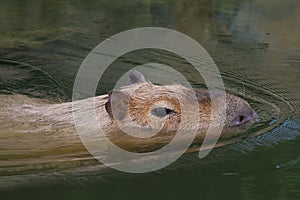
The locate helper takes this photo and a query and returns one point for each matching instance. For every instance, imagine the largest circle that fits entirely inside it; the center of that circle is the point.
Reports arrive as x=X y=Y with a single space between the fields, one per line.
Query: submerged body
x=31 y=127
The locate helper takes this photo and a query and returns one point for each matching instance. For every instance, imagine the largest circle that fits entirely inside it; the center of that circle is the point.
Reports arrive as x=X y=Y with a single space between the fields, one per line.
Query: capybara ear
x=135 y=77
x=117 y=104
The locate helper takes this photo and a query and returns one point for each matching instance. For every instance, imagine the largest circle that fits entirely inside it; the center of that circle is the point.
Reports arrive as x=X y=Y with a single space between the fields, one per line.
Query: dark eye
x=162 y=112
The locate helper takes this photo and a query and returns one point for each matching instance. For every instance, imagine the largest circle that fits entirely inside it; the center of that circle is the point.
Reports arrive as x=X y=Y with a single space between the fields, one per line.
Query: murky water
x=256 y=46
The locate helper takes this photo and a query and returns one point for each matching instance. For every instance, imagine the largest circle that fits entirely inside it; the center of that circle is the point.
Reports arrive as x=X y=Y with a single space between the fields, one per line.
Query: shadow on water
x=255 y=45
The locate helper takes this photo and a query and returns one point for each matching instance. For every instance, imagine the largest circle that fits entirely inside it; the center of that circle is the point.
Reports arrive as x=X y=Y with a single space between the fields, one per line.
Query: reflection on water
x=256 y=45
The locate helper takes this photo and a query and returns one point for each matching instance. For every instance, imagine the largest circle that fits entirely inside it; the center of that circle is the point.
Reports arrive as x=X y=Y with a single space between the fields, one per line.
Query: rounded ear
x=117 y=104
x=135 y=77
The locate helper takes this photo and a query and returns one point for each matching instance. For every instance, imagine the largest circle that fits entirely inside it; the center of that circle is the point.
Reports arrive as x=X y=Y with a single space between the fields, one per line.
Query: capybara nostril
x=243 y=118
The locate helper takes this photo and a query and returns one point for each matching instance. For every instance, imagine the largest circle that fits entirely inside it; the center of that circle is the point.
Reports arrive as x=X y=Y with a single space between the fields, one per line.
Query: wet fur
x=41 y=127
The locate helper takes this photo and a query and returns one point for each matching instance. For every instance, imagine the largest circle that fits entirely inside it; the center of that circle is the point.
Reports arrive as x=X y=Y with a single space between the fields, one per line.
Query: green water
x=256 y=46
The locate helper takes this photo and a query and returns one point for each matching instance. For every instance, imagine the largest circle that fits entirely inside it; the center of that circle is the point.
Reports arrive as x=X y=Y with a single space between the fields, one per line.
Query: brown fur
x=141 y=98
x=34 y=127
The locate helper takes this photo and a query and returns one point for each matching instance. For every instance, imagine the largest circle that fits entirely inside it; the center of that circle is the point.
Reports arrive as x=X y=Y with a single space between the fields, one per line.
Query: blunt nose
x=242 y=118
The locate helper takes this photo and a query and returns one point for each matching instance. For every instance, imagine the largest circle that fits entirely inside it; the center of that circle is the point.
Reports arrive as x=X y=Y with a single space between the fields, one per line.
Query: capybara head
x=153 y=107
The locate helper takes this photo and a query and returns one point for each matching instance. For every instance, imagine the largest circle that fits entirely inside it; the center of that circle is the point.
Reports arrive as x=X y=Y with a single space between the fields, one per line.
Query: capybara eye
x=162 y=111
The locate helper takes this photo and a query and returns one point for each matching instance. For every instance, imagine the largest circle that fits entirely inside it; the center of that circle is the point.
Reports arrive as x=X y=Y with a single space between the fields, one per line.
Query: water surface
x=256 y=46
